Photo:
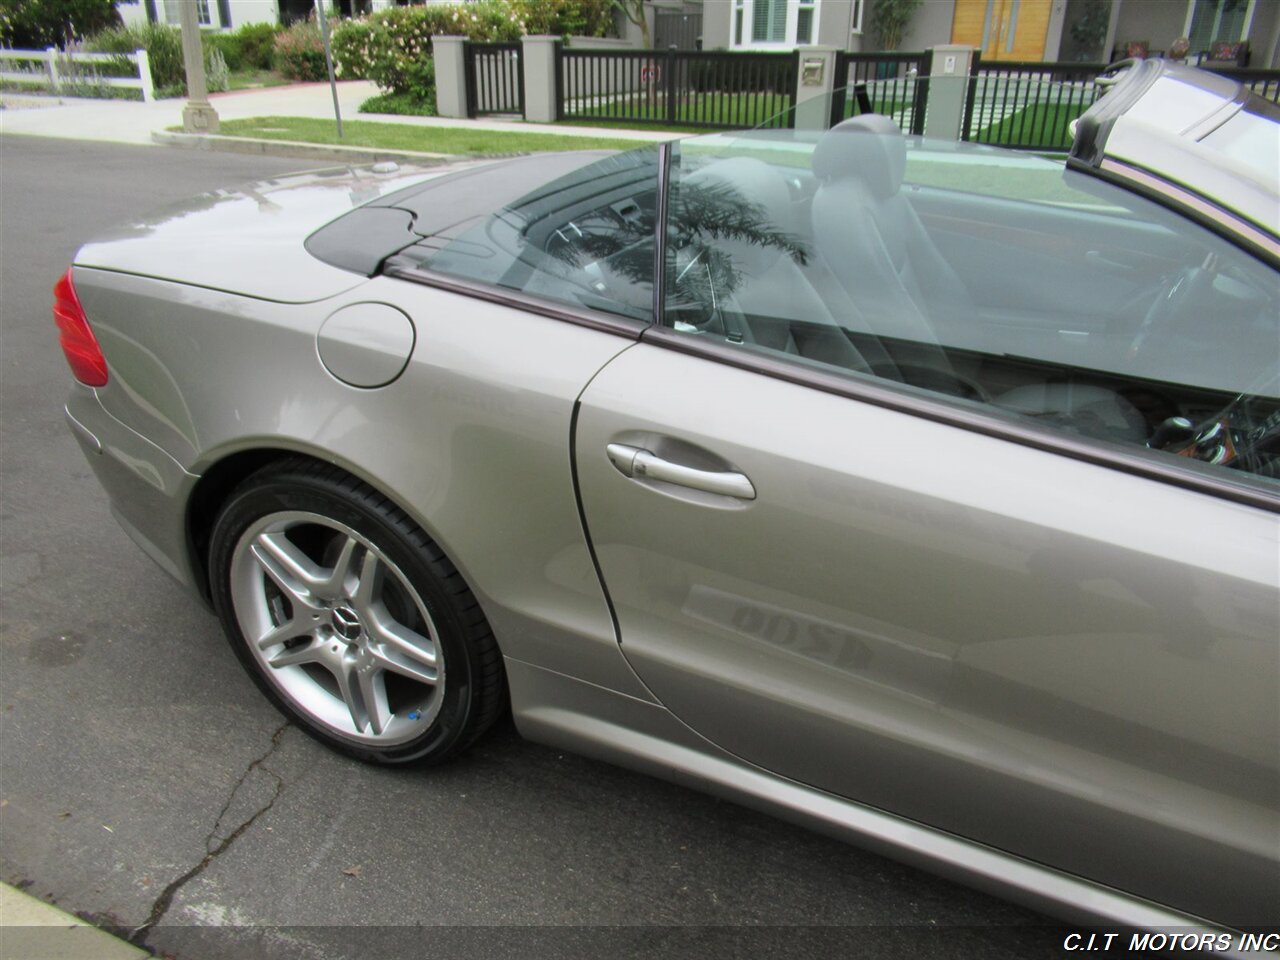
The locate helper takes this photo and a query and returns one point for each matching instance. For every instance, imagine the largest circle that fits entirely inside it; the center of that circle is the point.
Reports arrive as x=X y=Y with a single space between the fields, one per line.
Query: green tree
x=633 y=10
x=1090 y=30
x=889 y=19
x=36 y=24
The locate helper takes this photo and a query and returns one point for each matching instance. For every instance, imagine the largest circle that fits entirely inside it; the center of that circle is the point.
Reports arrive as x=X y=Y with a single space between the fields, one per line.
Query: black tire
x=364 y=635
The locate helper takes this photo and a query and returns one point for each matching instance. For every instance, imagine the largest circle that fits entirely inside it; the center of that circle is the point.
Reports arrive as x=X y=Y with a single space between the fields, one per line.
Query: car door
x=1048 y=641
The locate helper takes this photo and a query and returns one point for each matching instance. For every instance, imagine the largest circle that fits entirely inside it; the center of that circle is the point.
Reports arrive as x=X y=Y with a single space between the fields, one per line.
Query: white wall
x=242 y=12
x=133 y=14
x=249 y=11
x=929 y=27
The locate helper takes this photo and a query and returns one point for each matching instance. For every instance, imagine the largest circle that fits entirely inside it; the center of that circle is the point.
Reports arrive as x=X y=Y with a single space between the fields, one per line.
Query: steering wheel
x=1180 y=291
x=705 y=301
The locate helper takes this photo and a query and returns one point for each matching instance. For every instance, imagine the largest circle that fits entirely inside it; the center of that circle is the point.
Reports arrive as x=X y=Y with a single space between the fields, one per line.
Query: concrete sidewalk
x=30 y=929
x=128 y=121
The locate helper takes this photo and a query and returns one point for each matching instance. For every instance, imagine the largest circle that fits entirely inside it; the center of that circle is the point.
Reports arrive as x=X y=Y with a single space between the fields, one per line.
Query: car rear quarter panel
x=472 y=440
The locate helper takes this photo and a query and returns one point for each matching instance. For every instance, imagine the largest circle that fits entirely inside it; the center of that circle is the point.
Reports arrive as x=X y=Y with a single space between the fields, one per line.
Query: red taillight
x=78 y=342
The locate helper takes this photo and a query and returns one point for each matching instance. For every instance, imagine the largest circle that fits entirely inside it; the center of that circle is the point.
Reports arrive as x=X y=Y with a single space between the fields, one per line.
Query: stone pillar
x=948 y=90
x=1053 y=38
x=816 y=83
x=198 y=116
x=539 y=58
x=451 y=75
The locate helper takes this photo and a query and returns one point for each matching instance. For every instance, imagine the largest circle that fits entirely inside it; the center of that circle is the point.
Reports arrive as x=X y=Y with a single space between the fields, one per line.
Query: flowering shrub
x=566 y=18
x=393 y=47
x=299 y=52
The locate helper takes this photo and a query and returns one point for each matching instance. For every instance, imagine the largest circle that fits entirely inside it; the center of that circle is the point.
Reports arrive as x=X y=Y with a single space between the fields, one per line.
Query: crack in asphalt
x=212 y=851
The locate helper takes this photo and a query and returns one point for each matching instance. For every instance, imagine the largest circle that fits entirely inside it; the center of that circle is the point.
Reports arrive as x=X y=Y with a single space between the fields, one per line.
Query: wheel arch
x=220 y=475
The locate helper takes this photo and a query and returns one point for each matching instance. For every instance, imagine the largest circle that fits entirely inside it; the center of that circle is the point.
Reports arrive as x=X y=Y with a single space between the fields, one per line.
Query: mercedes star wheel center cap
x=346 y=624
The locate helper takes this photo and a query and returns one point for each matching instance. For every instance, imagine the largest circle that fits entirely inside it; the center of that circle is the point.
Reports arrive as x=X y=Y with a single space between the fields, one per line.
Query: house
x=1001 y=29
x=1071 y=30
x=230 y=14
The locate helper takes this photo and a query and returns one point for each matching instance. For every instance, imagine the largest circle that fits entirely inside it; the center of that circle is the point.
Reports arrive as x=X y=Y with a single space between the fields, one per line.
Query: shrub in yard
x=566 y=18
x=217 y=76
x=257 y=42
x=248 y=48
x=299 y=52
x=225 y=44
x=400 y=103
x=352 y=43
x=164 y=49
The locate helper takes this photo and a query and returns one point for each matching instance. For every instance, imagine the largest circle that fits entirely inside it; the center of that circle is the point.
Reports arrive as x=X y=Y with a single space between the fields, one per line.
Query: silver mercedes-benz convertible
x=922 y=493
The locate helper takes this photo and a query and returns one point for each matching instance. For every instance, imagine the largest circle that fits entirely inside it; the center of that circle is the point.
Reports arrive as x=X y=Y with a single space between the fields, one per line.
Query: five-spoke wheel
x=347 y=615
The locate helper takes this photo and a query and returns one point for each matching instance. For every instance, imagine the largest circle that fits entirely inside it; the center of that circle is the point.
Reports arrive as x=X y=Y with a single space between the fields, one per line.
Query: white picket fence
x=55 y=68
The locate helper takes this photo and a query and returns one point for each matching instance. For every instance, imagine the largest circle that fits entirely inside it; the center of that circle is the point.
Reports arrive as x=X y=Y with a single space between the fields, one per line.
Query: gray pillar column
x=1053 y=38
x=451 y=75
x=948 y=90
x=818 y=81
x=1113 y=25
x=198 y=116
x=539 y=57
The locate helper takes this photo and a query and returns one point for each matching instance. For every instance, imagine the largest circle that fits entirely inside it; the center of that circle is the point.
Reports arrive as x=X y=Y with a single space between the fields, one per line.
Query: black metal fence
x=495 y=78
x=677 y=87
x=1265 y=83
x=896 y=85
x=1023 y=105
x=1028 y=106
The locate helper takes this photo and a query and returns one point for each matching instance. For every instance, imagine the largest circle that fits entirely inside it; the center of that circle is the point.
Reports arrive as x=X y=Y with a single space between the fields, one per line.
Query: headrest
x=869 y=147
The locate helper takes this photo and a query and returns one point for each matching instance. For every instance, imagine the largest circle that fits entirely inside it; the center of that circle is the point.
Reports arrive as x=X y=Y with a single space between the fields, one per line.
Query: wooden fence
x=60 y=71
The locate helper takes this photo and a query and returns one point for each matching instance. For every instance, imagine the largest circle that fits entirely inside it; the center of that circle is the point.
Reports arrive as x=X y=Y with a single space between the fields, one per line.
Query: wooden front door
x=1003 y=29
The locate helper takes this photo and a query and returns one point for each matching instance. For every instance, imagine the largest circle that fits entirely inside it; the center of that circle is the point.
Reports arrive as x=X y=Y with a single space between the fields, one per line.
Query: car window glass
x=586 y=239
x=996 y=281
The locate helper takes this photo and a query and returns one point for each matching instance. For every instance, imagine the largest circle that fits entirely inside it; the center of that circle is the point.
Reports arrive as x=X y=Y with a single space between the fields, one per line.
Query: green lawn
x=898 y=109
x=255 y=79
x=1039 y=125
x=693 y=113
x=397 y=136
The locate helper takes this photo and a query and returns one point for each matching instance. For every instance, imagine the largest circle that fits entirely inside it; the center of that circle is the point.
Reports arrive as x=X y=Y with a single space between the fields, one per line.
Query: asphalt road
x=146 y=785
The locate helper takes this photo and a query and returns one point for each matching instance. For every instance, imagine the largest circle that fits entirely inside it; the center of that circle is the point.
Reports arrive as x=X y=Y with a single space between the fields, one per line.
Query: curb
x=34 y=930
x=297 y=149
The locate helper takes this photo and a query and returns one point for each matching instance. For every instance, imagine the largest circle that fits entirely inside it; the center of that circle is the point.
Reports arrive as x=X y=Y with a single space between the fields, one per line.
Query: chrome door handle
x=636 y=462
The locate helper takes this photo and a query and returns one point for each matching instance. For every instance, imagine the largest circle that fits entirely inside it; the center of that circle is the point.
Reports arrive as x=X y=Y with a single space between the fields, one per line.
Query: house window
x=173 y=12
x=804 y=23
x=762 y=24
x=769 y=21
x=857 y=17
x=1212 y=20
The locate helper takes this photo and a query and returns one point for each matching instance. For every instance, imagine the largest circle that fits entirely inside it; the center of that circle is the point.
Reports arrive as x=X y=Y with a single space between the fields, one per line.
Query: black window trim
x=660 y=237
x=555 y=309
